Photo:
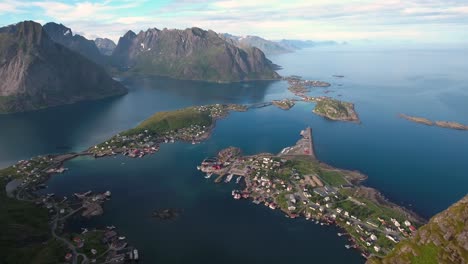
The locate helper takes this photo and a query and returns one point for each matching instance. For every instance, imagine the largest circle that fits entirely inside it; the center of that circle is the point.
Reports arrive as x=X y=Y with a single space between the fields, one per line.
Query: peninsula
x=192 y=124
x=295 y=182
x=443 y=124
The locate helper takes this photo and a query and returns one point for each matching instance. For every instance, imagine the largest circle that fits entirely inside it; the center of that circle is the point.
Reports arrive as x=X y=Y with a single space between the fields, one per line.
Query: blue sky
x=342 y=20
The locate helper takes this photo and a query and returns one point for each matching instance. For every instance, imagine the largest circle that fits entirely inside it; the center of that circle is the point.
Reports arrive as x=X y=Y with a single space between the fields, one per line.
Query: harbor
x=294 y=182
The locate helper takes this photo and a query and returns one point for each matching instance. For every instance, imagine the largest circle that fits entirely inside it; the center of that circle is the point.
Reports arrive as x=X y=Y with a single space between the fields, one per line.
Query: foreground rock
x=36 y=72
x=443 y=240
x=191 y=54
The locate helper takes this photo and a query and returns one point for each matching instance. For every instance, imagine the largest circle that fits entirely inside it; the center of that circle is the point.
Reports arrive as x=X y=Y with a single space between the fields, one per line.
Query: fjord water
x=424 y=168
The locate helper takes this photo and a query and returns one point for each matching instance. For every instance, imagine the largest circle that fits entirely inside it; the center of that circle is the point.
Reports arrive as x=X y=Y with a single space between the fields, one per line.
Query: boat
x=238 y=179
x=340 y=234
x=229 y=178
x=347 y=246
x=208 y=175
x=198 y=168
x=122 y=238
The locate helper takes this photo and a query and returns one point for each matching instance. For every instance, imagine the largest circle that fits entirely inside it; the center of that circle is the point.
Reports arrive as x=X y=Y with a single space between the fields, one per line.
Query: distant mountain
x=267 y=46
x=443 y=240
x=105 y=46
x=64 y=35
x=36 y=72
x=301 y=44
x=192 y=54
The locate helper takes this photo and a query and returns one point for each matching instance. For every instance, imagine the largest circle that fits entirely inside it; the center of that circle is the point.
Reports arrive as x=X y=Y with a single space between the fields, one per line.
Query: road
x=75 y=254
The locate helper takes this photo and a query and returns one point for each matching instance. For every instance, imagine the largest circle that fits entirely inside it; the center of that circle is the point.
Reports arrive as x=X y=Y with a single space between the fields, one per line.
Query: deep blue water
x=412 y=164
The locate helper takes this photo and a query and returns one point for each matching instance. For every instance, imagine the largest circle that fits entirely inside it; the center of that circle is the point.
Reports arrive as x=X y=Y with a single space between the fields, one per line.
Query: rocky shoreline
x=443 y=124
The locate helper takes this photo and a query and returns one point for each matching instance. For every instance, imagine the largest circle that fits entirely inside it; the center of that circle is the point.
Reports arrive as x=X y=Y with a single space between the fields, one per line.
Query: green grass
x=92 y=240
x=332 y=108
x=167 y=121
x=25 y=235
x=427 y=254
x=332 y=178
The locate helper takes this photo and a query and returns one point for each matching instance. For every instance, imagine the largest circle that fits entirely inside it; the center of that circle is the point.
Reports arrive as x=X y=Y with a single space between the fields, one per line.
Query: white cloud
x=318 y=19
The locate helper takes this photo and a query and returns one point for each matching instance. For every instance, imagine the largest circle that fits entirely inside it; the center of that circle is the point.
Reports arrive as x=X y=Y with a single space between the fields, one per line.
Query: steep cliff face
x=64 y=36
x=443 y=240
x=105 y=46
x=36 y=72
x=192 y=54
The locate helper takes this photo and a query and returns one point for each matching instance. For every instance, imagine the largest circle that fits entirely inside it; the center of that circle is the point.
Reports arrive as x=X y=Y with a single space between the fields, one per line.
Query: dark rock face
x=37 y=73
x=192 y=54
x=443 y=240
x=64 y=36
x=105 y=46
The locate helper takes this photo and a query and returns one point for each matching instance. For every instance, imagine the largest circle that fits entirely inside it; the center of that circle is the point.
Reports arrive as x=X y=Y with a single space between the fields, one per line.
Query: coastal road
x=75 y=254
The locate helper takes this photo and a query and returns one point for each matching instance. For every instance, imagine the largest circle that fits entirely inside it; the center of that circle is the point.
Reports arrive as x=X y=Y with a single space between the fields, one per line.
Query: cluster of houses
x=113 y=249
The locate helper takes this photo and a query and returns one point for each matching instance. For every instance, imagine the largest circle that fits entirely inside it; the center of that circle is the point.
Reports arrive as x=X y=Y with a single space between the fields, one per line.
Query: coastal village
x=193 y=124
x=297 y=184
x=25 y=182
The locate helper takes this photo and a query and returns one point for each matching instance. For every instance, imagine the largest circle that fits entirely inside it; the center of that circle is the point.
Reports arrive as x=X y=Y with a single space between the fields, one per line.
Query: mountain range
x=37 y=72
x=191 y=54
x=271 y=47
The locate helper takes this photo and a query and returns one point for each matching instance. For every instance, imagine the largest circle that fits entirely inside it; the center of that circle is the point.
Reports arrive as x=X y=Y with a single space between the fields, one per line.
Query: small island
x=299 y=87
x=333 y=109
x=295 y=182
x=284 y=104
x=443 y=124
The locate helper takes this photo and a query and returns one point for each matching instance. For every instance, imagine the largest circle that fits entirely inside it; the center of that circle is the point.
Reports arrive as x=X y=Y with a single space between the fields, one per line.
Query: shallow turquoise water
x=422 y=167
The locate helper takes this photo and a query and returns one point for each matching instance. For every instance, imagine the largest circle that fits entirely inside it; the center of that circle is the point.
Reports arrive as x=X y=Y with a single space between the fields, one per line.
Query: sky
x=413 y=21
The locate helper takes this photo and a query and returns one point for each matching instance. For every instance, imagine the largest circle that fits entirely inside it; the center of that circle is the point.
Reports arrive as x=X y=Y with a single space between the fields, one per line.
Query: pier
x=308 y=136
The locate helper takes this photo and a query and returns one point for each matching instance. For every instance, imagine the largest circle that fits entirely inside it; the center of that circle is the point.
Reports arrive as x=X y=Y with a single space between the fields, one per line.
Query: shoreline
x=264 y=189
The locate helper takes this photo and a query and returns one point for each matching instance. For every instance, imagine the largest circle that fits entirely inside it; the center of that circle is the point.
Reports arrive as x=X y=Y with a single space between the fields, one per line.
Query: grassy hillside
x=162 y=122
x=444 y=240
x=25 y=236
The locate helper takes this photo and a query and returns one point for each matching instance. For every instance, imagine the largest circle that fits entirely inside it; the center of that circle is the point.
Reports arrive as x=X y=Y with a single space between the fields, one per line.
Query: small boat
x=208 y=175
x=238 y=179
x=340 y=234
x=347 y=246
x=229 y=178
x=122 y=238
x=198 y=168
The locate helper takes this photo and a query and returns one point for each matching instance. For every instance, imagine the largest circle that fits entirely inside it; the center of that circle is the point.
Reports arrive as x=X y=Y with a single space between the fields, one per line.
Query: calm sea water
x=424 y=168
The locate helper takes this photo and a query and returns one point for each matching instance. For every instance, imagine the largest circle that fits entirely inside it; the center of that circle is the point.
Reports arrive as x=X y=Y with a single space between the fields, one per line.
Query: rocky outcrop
x=105 y=46
x=443 y=240
x=192 y=54
x=64 y=36
x=36 y=72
